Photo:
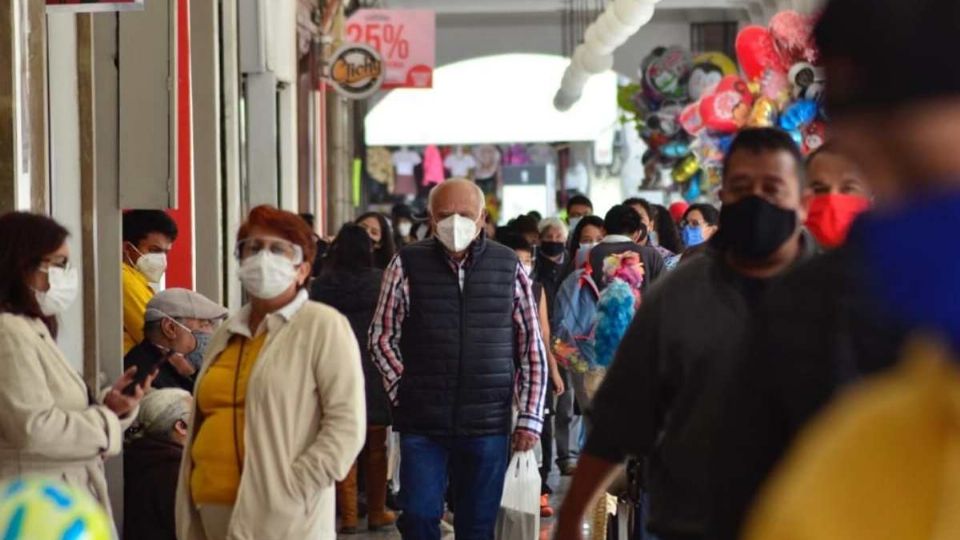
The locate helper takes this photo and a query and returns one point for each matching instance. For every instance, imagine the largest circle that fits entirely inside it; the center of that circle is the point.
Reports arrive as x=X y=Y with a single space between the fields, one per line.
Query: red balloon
x=757 y=52
x=727 y=109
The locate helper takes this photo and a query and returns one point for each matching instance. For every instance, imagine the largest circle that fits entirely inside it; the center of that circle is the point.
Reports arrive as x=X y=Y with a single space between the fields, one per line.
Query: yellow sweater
x=221 y=397
x=136 y=295
x=883 y=463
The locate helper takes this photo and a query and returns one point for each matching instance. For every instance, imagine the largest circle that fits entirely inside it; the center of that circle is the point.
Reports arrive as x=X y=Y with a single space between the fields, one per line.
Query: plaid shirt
x=531 y=355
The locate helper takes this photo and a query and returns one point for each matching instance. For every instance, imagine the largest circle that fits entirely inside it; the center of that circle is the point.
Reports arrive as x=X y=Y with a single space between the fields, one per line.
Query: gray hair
x=160 y=410
x=553 y=223
x=480 y=196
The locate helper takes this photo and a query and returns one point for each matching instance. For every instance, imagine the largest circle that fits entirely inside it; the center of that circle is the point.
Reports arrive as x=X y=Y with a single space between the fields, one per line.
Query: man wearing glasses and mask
x=178 y=325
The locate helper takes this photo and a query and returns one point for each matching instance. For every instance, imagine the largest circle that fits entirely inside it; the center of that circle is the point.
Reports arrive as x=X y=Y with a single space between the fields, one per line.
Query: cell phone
x=140 y=377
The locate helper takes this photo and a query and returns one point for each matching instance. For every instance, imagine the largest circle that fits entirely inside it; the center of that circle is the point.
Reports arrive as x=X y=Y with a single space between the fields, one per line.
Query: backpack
x=574 y=312
x=589 y=323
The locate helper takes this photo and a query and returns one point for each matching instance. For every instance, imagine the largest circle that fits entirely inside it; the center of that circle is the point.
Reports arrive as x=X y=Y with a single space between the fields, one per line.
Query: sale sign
x=92 y=6
x=405 y=38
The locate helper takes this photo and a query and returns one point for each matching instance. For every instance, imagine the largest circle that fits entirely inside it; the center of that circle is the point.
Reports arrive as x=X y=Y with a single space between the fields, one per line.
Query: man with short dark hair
x=660 y=398
x=148 y=236
x=847 y=315
x=625 y=232
x=577 y=207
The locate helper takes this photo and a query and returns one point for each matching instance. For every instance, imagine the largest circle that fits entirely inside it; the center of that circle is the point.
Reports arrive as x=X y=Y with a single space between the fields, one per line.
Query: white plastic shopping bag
x=519 y=517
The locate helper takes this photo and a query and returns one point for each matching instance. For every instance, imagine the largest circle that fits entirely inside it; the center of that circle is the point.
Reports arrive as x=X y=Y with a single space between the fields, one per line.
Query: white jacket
x=305 y=423
x=49 y=423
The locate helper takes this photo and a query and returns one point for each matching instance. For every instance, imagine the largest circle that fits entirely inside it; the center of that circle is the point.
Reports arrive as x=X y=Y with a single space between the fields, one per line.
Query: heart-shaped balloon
x=728 y=109
x=756 y=52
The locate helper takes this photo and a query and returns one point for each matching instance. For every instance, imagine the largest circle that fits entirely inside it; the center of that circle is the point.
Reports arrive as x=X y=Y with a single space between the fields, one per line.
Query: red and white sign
x=406 y=39
x=92 y=6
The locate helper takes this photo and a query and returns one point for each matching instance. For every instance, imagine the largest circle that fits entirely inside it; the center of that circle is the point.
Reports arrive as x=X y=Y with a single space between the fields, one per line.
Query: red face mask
x=832 y=215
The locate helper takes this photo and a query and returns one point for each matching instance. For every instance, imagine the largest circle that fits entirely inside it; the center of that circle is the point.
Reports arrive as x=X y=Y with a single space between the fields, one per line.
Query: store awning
x=494 y=99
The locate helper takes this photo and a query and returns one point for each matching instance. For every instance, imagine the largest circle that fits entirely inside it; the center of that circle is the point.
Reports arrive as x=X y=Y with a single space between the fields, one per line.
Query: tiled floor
x=546 y=525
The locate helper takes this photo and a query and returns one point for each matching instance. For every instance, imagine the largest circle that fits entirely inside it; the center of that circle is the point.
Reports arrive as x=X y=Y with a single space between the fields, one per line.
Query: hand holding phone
x=121 y=403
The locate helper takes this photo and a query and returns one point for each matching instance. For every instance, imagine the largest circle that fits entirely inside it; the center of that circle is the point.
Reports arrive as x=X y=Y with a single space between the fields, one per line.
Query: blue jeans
x=477 y=466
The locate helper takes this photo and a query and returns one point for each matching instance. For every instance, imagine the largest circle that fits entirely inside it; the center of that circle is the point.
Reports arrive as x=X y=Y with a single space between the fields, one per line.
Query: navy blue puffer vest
x=458 y=346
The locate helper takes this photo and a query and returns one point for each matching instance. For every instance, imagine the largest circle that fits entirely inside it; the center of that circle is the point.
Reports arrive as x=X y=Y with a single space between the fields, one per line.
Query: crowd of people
x=696 y=344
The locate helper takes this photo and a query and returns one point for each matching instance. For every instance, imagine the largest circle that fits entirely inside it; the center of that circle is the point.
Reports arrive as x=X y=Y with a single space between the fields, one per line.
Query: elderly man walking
x=457 y=340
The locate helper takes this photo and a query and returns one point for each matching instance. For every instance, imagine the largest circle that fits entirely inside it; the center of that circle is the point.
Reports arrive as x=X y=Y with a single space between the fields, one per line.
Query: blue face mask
x=654 y=238
x=692 y=236
x=196 y=357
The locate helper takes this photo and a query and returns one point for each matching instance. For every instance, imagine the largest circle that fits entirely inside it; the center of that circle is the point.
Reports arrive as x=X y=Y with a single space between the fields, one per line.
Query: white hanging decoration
x=621 y=20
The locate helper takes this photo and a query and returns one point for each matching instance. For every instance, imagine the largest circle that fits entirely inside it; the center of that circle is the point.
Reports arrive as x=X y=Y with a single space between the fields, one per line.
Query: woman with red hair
x=279 y=414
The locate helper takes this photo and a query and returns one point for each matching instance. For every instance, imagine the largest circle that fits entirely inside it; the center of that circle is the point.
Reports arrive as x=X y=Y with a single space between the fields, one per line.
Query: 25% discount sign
x=406 y=38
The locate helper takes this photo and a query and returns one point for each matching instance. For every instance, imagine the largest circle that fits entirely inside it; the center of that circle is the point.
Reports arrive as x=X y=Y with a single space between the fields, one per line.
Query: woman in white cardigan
x=50 y=422
x=279 y=414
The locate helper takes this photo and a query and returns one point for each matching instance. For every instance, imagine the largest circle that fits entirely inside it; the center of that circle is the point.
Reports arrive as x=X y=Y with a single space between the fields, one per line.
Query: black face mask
x=552 y=249
x=754 y=229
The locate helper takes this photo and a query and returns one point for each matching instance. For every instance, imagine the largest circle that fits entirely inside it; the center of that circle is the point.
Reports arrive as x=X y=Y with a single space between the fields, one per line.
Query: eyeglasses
x=251 y=247
x=63 y=264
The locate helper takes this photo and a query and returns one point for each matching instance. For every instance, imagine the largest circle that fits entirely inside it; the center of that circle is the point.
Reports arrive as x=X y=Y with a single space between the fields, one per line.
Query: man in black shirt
x=660 y=398
x=624 y=232
x=179 y=324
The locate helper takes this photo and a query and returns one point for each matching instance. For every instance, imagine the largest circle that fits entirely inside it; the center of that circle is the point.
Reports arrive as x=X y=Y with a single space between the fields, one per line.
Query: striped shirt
x=394 y=305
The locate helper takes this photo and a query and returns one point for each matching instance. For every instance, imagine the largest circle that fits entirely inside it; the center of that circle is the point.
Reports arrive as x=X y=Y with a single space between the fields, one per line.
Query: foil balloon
x=704 y=79
x=691 y=120
x=792 y=34
x=725 y=63
x=808 y=81
x=685 y=170
x=797 y=137
x=764 y=113
x=668 y=118
x=757 y=53
x=675 y=150
x=775 y=86
x=665 y=73
x=692 y=192
x=728 y=109
x=814 y=136
x=798 y=115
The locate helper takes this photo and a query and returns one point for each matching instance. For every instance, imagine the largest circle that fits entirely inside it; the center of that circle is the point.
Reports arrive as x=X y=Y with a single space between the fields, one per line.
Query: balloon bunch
x=688 y=109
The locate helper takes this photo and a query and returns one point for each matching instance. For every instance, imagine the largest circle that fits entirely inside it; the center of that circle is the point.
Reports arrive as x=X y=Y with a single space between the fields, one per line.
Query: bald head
x=456 y=196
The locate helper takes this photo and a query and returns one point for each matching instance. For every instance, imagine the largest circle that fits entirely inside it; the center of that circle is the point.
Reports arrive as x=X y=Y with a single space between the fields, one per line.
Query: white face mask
x=528 y=269
x=267 y=276
x=456 y=233
x=404 y=228
x=63 y=291
x=587 y=246
x=151 y=265
x=574 y=221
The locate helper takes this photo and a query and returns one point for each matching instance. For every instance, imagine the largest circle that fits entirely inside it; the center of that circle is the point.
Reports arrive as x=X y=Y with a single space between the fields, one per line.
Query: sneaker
x=545 y=509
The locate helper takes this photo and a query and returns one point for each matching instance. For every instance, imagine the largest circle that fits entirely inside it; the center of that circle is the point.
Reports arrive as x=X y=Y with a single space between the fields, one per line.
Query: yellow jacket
x=883 y=463
x=136 y=295
x=304 y=425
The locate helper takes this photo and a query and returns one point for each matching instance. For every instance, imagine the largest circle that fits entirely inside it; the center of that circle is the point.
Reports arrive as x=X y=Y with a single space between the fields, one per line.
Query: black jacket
x=150 y=471
x=458 y=347
x=819 y=330
x=549 y=275
x=671 y=375
x=146 y=355
x=355 y=295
